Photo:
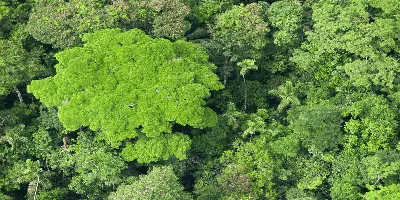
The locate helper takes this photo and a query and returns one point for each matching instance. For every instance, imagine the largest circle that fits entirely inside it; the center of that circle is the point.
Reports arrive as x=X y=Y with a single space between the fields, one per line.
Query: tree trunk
x=19 y=95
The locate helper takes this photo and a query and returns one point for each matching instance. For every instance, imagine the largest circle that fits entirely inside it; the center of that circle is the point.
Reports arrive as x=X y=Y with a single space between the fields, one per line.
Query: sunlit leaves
x=286 y=16
x=387 y=192
x=137 y=84
x=159 y=183
x=373 y=122
x=148 y=150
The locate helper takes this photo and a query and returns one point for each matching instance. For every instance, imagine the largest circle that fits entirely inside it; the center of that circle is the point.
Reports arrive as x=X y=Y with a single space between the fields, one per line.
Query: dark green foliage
x=17 y=65
x=97 y=168
x=317 y=127
x=63 y=23
x=126 y=104
x=355 y=40
x=13 y=14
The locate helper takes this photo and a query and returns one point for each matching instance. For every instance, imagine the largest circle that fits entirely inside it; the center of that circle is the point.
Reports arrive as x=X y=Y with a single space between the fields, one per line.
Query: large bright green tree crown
x=127 y=84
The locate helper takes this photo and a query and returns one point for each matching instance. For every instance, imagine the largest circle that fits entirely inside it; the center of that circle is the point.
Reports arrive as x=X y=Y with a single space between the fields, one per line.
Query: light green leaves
x=372 y=122
x=388 y=192
x=4 y=9
x=286 y=16
x=148 y=150
x=159 y=183
x=125 y=84
x=246 y=65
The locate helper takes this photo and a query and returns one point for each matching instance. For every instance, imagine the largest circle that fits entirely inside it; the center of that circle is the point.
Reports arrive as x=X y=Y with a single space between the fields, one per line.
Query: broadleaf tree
x=132 y=88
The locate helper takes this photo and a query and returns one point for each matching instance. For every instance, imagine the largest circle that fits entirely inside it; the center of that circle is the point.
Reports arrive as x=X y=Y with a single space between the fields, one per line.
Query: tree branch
x=3 y=120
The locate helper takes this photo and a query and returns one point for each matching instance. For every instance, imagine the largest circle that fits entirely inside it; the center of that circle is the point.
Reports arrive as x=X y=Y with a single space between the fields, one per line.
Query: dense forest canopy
x=200 y=99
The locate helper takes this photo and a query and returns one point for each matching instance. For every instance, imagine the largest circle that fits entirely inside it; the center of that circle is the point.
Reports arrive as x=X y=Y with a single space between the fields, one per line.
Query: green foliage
x=20 y=172
x=372 y=121
x=148 y=150
x=246 y=65
x=17 y=65
x=288 y=145
x=4 y=9
x=57 y=193
x=206 y=186
x=139 y=83
x=159 y=183
x=286 y=17
x=313 y=173
x=63 y=23
x=97 y=168
x=205 y=10
x=240 y=34
x=345 y=177
x=241 y=31
x=287 y=94
x=355 y=40
x=168 y=18
x=381 y=169
x=13 y=14
x=288 y=22
x=317 y=83
x=17 y=164
x=317 y=127
x=390 y=192
x=297 y=194
x=5 y=197
x=249 y=171
x=212 y=142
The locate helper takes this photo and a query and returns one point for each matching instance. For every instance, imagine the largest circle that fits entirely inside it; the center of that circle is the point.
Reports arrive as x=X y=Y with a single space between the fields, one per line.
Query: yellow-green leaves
x=373 y=122
x=384 y=192
x=148 y=150
x=125 y=83
x=4 y=10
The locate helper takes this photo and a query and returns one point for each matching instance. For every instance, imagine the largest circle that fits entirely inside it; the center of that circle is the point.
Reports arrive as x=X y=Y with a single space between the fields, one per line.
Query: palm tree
x=286 y=93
